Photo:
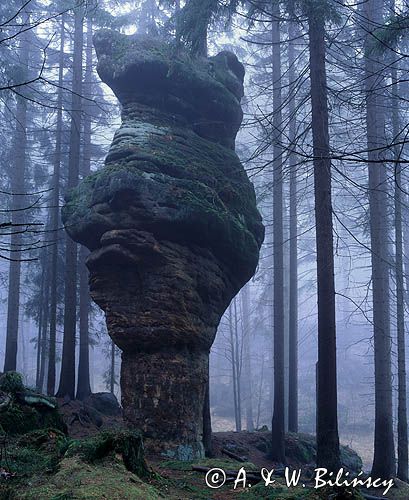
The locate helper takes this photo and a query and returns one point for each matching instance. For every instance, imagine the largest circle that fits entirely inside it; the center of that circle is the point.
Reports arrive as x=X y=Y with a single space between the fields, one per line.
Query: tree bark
x=55 y=208
x=40 y=325
x=207 y=423
x=112 y=370
x=328 y=454
x=84 y=385
x=400 y=301
x=248 y=392
x=67 y=377
x=44 y=324
x=278 y=421
x=384 y=452
x=17 y=185
x=293 y=303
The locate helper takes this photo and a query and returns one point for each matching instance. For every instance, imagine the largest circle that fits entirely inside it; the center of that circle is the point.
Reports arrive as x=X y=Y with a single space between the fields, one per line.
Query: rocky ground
x=87 y=454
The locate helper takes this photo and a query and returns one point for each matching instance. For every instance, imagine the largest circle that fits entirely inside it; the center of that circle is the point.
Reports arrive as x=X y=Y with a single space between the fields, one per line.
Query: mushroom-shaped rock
x=172 y=226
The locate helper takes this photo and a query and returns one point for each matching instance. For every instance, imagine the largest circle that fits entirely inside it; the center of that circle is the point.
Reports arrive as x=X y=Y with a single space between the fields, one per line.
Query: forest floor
x=50 y=466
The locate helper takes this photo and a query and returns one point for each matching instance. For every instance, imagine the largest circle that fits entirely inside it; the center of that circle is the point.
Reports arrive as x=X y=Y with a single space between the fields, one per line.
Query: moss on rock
x=17 y=418
x=11 y=382
x=172 y=225
x=127 y=443
x=24 y=410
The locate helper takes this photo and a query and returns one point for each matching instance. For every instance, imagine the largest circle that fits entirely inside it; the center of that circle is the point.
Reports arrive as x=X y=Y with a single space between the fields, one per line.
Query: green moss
x=34 y=454
x=171 y=169
x=19 y=419
x=48 y=440
x=11 y=382
x=201 y=186
x=50 y=466
x=127 y=443
x=77 y=480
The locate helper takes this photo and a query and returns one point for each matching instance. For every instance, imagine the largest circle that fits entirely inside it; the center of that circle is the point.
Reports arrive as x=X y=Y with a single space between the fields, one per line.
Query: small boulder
x=105 y=403
x=23 y=410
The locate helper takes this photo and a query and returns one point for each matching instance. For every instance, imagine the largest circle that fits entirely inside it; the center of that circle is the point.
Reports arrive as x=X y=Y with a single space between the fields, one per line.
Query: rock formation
x=172 y=226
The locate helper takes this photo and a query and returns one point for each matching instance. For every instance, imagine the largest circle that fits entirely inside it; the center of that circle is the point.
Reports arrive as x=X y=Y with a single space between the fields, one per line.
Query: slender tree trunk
x=260 y=393
x=55 y=221
x=17 y=176
x=400 y=311
x=112 y=371
x=405 y=220
x=400 y=301
x=22 y=342
x=40 y=325
x=44 y=325
x=293 y=306
x=234 y=371
x=239 y=362
x=384 y=452
x=245 y=299
x=328 y=454
x=207 y=423
x=84 y=386
x=278 y=421
x=67 y=377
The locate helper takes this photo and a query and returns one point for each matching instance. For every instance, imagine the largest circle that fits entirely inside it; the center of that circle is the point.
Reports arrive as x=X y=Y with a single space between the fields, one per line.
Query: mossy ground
x=76 y=479
x=51 y=466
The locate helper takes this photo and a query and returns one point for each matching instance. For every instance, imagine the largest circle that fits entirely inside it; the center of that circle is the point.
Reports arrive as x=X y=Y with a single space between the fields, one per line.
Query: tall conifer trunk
x=84 y=385
x=67 y=377
x=400 y=291
x=384 y=452
x=293 y=306
x=278 y=421
x=55 y=208
x=247 y=382
x=18 y=201
x=328 y=454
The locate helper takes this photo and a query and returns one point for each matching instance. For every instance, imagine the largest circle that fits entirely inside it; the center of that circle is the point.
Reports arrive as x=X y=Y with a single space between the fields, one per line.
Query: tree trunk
x=400 y=314
x=293 y=305
x=400 y=301
x=248 y=392
x=17 y=185
x=44 y=325
x=278 y=421
x=233 y=353
x=40 y=324
x=67 y=377
x=55 y=221
x=84 y=386
x=207 y=423
x=328 y=454
x=384 y=452
x=402 y=473
x=239 y=362
x=112 y=370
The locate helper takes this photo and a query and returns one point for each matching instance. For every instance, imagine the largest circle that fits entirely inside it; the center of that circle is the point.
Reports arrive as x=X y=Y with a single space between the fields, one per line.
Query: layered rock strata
x=172 y=226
